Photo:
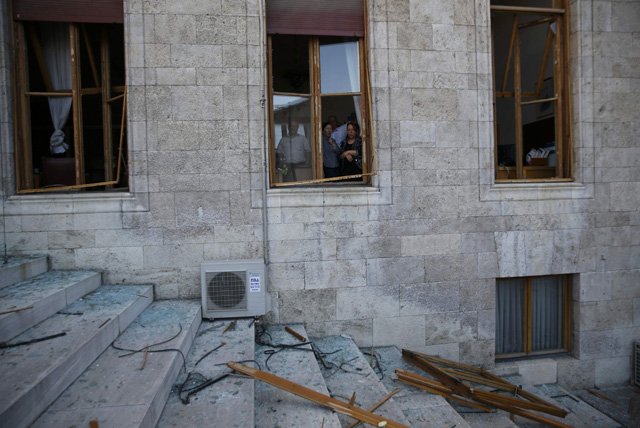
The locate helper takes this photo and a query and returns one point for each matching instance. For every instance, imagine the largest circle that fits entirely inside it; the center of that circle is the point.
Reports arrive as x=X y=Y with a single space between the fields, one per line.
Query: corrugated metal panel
x=101 y=11
x=317 y=18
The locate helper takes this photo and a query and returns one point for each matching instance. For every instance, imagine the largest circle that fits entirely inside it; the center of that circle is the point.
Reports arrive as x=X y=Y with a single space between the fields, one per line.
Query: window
x=532 y=105
x=532 y=316
x=69 y=95
x=318 y=75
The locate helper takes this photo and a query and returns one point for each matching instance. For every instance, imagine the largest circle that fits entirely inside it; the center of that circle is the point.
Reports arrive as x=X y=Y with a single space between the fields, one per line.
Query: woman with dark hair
x=330 y=153
x=351 y=152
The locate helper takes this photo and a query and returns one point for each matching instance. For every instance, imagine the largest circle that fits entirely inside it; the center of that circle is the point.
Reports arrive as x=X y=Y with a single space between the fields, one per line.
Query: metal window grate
x=227 y=290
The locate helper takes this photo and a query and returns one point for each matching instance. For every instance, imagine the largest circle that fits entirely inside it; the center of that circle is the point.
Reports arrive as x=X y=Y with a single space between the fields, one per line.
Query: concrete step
x=130 y=391
x=228 y=402
x=422 y=408
x=580 y=414
x=350 y=372
x=44 y=295
x=34 y=375
x=278 y=408
x=14 y=269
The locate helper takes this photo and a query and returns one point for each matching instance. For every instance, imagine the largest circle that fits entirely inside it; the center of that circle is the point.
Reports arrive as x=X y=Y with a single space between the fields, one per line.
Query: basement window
x=532 y=107
x=70 y=98
x=533 y=316
x=318 y=75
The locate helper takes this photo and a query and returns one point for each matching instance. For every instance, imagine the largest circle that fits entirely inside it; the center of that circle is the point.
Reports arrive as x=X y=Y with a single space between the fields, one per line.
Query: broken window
x=532 y=316
x=318 y=75
x=532 y=106
x=70 y=96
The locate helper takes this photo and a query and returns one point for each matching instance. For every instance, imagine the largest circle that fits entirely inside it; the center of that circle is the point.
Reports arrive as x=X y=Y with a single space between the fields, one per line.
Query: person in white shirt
x=294 y=150
x=339 y=132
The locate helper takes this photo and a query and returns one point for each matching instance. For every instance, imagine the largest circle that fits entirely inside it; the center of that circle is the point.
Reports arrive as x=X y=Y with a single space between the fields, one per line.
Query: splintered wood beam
x=524 y=413
x=37 y=50
x=437 y=372
x=316 y=397
x=435 y=387
x=517 y=402
x=377 y=405
x=483 y=377
x=545 y=60
x=509 y=54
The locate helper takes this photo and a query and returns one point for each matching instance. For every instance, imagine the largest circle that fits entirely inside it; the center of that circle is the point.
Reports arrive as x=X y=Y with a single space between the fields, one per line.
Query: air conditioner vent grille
x=227 y=290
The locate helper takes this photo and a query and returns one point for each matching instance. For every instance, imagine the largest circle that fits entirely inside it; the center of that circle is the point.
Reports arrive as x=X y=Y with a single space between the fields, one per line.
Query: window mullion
x=528 y=316
x=316 y=147
x=25 y=162
x=105 y=60
x=76 y=86
x=566 y=315
x=558 y=83
x=518 y=108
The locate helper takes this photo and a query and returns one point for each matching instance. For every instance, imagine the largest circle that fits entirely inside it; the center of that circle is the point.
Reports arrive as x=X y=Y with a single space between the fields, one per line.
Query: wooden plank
x=107 y=136
x=295 y=334
x=37 y=50
x=518 y=110
x=316 y=397
x=76 y=83
x=435 y=387
x=524 y=413
x=436 y=372
x=507 y=66
x=519 y=403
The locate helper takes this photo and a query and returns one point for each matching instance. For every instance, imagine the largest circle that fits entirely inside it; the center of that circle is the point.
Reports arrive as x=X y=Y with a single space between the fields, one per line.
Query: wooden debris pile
x=452 y=380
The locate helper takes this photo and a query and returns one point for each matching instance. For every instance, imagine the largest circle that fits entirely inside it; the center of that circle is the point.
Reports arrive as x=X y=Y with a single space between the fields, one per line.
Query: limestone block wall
x=411 y=260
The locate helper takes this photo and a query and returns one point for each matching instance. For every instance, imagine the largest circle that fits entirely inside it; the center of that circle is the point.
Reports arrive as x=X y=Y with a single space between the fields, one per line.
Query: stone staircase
x=113 y=355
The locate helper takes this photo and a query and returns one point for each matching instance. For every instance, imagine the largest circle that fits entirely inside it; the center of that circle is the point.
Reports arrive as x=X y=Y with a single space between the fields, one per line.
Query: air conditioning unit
x=234 y=289
x=636 y=363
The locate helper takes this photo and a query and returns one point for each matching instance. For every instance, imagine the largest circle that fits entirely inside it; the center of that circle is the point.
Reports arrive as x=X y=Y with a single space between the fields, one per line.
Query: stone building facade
x=410 y=260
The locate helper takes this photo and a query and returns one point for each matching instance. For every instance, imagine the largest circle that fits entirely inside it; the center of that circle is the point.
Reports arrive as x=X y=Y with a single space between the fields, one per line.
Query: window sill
x=328 y=196
x=535 y=190
x=72 y=203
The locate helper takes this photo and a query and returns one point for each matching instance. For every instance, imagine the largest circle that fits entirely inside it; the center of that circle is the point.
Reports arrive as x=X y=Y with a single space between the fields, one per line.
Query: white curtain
x=56 y=50
x=509 y=316
x=546 y=311
x=353 y=66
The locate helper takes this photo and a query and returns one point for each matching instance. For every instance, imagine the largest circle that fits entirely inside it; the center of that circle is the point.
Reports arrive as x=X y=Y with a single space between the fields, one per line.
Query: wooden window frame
x=315 y=97
x=564 y=169
x=528 y=320
x=102 y=79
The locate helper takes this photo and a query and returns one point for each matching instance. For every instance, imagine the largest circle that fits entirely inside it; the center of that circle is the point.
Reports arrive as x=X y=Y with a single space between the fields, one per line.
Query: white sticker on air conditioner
x=254 y=283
